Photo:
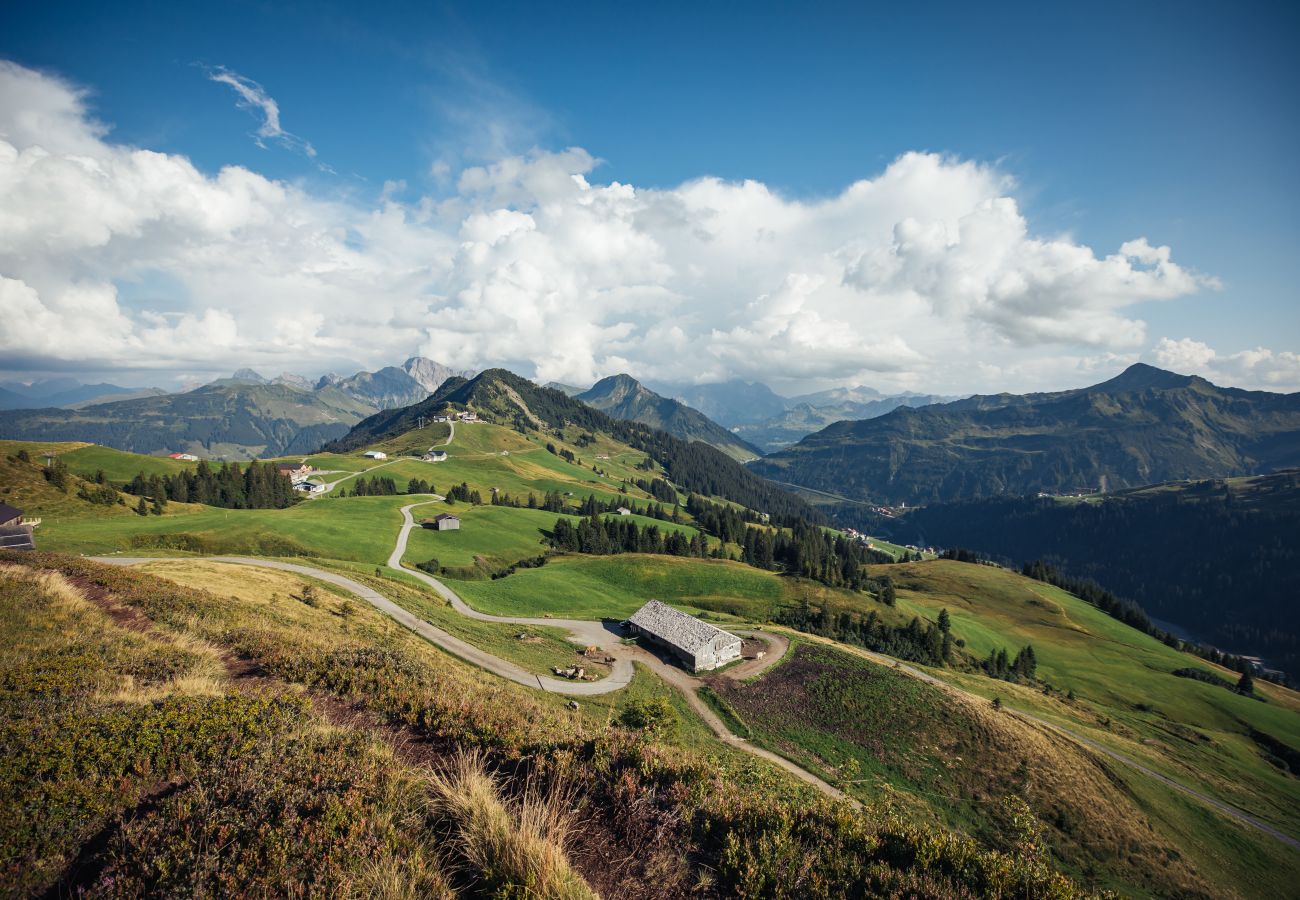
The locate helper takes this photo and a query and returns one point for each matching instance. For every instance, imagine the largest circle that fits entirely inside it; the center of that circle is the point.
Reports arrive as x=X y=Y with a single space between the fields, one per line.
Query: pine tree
x=141 y=509
x=945 y=623
x=1246 y=685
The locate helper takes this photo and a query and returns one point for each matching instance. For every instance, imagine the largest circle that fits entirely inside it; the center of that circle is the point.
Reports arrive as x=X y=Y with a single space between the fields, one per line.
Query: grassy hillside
x=1126 y=695
x=616 y=586
x=1219 y=558
x=166 y=740
x=956 y=761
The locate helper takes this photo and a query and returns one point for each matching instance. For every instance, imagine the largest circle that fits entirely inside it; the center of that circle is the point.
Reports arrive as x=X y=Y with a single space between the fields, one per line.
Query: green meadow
x=594 y=587
x=1126 y=696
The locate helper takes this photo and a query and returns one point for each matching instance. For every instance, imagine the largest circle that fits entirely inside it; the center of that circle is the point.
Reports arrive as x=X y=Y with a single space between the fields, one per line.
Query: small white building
x=375 y=454
x=699 y=645
x=468 y=417
x=436 y=456
x=624 y=511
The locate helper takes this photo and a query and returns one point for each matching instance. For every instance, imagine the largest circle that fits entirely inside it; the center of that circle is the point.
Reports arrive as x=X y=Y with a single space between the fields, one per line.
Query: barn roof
x=675 y=627
x=8 y=512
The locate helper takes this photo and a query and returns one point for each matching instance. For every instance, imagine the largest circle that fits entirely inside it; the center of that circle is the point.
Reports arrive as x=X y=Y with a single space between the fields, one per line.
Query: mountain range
x=1143 y=426
x=66 y=393
x=623 y=397
x=241 y=417
x=508 y=399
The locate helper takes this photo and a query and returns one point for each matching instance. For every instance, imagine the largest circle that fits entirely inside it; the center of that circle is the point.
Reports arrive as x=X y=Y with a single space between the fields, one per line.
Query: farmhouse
x=295 y=472
x=187 y=457
x=468 y=417
x=435 y=456
x=624 y=511
x=442 y=522
x=699 y=645
x=375 y=454
x=9 y=515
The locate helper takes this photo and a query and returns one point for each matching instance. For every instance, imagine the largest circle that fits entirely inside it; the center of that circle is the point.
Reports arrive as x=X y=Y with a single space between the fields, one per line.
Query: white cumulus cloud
x=112 y=255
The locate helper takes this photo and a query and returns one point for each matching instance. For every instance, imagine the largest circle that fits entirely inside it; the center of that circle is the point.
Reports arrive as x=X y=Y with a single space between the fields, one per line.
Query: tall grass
x=517 y=847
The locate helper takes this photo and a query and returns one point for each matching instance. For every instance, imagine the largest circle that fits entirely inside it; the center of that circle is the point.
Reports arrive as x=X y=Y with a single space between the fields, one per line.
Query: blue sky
x=1171 y=122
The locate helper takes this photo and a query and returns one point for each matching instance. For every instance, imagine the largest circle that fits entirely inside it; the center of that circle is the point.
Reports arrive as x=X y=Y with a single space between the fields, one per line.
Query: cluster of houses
x=699 y=645
x=466 y=416
x=15 y=531
x=298 y=473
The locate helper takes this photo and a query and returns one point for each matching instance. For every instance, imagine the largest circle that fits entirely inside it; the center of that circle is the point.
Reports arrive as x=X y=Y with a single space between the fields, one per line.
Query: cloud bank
x=926 y=275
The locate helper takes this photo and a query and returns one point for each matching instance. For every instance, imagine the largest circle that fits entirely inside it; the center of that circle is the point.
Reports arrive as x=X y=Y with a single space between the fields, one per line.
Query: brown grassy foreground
x=159 y=740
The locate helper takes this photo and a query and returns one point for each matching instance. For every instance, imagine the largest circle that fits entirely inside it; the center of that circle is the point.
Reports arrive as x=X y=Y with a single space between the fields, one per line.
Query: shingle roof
x=8 y=512
x=675 y=627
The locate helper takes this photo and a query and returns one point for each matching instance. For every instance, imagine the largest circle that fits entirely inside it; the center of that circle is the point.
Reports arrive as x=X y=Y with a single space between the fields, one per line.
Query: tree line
x=257 y=485
x=929 y=643
x=606 y=535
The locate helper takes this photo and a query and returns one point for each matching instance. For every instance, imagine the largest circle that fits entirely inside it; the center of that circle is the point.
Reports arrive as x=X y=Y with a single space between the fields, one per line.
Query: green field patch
x=355 y=528
x=594 y=587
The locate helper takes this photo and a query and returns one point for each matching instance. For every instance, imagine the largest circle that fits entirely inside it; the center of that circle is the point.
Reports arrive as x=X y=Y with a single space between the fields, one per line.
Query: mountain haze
x=623 y=397
x=233 y=419
x=1143 y=426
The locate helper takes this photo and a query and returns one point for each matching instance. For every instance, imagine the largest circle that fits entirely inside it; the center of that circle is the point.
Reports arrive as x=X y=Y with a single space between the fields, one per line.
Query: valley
x=1102 y=745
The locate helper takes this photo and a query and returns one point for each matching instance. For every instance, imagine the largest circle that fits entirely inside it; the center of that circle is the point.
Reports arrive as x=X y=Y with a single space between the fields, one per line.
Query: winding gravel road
x=606 y=636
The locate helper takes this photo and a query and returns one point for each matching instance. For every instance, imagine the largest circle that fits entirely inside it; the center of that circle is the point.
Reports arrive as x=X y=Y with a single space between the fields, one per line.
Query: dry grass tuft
x=517 y=847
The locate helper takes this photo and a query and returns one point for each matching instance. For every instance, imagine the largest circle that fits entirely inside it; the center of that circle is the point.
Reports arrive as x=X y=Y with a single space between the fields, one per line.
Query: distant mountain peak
x=1141 y=377
x=248 y=375
x=623 y=397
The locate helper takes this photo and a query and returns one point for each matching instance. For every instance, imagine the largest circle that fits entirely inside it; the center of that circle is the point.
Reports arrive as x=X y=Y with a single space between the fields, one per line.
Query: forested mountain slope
x=1144 y=426
x=623 y=397
x=1219 y=558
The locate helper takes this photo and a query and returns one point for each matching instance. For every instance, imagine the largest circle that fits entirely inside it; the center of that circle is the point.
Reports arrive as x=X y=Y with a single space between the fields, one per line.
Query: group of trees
x=461 y=493
x=658 y=488
x=1023 y=668
x=563 y=453
x=255 y=486
x=803 y=549
x=594 y=505
x=929 y=643
x=420 y=486
x=374 y=486
x=605 y=535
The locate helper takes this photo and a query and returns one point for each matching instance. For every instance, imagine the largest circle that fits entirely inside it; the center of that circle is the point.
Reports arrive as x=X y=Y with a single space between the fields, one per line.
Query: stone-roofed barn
x=698 y=644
